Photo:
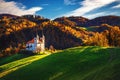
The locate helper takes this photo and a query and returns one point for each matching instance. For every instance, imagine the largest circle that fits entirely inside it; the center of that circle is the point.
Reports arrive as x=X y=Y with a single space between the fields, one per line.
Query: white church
x=37 y=44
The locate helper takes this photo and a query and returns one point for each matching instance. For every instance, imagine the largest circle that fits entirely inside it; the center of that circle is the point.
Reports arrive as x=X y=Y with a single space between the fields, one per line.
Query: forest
x=61 y=33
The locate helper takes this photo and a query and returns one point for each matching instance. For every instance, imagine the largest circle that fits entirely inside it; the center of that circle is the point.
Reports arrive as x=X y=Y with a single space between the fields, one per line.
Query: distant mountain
x=84 y=22
x=72 y=21
x=110 y=20
x=7 y=16
x=80 y=21
x=35 y=18
x=66 y=21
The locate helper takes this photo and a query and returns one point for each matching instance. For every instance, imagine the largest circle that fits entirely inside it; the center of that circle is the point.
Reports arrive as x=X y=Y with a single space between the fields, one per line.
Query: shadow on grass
x=12 y=58
x=70 y=64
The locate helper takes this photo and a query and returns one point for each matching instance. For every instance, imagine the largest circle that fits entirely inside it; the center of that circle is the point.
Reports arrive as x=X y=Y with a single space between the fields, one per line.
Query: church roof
x=32 y=41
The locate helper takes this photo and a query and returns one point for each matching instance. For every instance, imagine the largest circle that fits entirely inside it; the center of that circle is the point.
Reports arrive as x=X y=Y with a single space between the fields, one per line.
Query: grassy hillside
x=79 y=63
x=14 y=57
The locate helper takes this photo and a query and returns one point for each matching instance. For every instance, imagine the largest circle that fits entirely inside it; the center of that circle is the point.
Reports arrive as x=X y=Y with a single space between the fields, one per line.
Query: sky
x=57 y=8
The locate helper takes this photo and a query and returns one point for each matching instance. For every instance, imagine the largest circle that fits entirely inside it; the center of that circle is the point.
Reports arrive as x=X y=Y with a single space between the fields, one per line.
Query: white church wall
x=42 y=47
x=37 y=44
x=31 y=46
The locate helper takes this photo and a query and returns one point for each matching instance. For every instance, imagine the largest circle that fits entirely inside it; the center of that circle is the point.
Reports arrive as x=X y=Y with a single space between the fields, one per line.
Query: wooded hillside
x=61 y=33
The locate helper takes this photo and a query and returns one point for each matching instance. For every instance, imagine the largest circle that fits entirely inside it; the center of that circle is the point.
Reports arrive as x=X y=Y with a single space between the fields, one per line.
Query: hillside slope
x=61 y=33
x=110 y=20
x=79 y=63
x=84 y=22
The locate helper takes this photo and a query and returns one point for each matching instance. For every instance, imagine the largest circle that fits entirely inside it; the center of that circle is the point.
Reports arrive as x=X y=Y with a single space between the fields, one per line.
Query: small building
x=37 y=44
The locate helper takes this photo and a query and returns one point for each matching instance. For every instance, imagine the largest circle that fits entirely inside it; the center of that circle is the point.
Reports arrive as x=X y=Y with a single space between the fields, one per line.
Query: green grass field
x=78 y=63
x=6 y=60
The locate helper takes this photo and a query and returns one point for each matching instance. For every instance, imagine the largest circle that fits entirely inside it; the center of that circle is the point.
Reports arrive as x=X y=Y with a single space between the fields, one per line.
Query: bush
x=1 y=55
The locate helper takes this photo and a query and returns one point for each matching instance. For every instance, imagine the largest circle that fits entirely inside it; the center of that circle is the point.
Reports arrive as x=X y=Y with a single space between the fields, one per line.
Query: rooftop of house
x=33 y=40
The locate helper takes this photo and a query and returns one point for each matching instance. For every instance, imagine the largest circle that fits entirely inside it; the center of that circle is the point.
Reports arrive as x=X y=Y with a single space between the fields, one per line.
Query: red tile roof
x=32 y=41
